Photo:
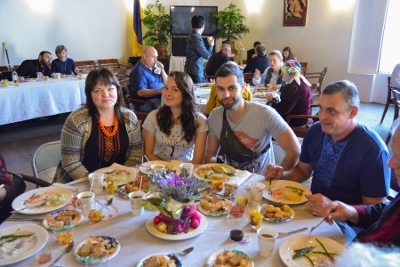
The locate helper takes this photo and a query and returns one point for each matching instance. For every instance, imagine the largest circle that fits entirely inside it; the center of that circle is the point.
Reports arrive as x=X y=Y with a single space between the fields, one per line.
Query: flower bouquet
x=175 y=202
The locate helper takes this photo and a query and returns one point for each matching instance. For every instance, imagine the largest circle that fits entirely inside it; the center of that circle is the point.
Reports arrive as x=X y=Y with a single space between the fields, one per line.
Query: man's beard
x=236 y=102
x=43 y=62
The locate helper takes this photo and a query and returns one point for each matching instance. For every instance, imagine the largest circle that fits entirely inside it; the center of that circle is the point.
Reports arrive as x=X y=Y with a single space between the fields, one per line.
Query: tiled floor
x=18 y=152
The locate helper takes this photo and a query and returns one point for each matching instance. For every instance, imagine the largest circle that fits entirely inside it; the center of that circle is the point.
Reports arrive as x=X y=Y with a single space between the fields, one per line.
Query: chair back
x=3 y=68
x=86 y=65
x=303 y=67
x=316 y=86
x=122 y=71
x=45 y=157
x=248 y=77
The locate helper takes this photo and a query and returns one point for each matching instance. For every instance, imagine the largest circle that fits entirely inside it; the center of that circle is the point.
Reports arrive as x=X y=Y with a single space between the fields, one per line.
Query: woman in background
x=272 y=77
x=288 y=54
x=176 y=131
x=63 y=64
x=100 y=133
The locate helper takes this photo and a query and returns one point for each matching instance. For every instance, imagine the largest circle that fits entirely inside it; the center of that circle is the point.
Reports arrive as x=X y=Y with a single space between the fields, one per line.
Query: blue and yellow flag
x=137 y=29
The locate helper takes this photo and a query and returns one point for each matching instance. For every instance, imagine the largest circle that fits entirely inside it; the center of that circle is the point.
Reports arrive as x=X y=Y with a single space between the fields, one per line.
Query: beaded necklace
x=104 y=130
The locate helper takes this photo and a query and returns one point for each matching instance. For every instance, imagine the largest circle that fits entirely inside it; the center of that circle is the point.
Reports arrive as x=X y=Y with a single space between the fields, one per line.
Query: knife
x=291 y=232
x=26 y=219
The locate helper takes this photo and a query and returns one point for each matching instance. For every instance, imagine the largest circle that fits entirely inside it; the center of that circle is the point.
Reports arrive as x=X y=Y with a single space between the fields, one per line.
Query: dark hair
x=261 y=49
x=228 y=69
x=347 y=89
x=198 y=21
x=102 y=76
x=291 y=55
x=44 y=52
x=188 y=107
x=256 y=43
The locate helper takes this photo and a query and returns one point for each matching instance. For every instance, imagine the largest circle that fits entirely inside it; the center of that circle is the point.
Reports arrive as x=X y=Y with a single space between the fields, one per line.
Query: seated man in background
x=32 y=68
x=347 y=159
x=218 y=59
x=244 y=130
x=380 y=222
x=147 y=81
x=395 y=80
x=252 y=52
x=259 y=62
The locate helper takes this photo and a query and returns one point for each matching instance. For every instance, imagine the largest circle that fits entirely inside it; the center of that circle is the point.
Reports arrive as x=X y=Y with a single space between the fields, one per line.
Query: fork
x=30 y=207
x=17 y=247
x=315 y=227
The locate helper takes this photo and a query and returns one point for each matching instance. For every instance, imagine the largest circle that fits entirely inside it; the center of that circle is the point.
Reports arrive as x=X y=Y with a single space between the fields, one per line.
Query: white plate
x=280 y=184
x=55 y=215
x=212 y=165
x=118 y=167
x=182 y=236
x=297 y=242
x=206 y=212
x=211 y=259
x=177 y=261
x=31 y=246
x=146 y=167
x=18 y=203
x=98 y=260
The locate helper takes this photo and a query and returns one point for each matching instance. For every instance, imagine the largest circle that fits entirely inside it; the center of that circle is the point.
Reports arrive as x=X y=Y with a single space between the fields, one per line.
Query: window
x=390 y=52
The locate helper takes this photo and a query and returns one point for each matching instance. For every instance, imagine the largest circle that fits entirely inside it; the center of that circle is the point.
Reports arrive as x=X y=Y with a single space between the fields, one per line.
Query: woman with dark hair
x=176 y=131
x=100 y=133
x=288 y=54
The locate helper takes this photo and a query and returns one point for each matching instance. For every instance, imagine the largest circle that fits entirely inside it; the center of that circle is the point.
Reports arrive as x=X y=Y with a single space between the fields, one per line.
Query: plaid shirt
x=196 y=52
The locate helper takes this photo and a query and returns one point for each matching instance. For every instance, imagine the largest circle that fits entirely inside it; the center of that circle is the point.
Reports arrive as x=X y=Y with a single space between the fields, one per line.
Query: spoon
x=185 y=252
x=68 y=248
x=110 y=202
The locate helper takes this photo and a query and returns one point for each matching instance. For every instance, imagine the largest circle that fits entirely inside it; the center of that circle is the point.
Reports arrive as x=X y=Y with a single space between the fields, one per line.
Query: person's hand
x=160 y=65
x=76 y=70
x=318 y=204
x=210 y=41
x=254 y=55
x=21 y=79
x=257 y=74
x=273 y=172
x=339 y=211
x=269 y=96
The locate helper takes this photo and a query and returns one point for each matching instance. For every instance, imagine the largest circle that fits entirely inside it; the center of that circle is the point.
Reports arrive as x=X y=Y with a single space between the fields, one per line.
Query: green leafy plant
x=158 y=24
x=230 y=25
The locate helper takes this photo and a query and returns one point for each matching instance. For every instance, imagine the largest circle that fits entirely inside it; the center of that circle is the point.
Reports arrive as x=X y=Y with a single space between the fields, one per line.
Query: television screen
x=182 y=17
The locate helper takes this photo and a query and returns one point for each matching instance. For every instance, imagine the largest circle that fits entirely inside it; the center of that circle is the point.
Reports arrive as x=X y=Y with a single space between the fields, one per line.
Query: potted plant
x=230 y=25
x=159 y=27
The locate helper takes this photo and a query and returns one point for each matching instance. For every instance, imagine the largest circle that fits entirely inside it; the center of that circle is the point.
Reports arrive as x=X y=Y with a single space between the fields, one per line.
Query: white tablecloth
x=137 y=242
x=39 y=99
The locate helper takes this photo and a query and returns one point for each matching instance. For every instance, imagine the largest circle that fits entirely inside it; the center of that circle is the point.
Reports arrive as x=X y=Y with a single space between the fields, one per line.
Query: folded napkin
x=240 y=177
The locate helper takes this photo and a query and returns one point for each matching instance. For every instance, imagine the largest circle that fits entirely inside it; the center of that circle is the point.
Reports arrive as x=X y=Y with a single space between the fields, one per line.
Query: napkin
x=240 y=177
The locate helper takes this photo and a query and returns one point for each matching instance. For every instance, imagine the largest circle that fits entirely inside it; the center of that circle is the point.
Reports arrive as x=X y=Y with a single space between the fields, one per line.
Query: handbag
x=231 y=146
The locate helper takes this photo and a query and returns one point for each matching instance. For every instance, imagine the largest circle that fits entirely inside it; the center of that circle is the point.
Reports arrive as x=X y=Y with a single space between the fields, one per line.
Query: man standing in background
x=196 y=51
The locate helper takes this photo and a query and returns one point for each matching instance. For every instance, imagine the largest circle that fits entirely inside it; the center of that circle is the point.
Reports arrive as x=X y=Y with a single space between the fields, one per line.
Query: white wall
x=345 y=40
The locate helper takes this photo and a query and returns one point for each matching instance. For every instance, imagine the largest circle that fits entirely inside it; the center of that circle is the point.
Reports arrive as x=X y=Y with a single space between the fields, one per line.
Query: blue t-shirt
x=66 y=67
x=350 y=168
x=142 y=77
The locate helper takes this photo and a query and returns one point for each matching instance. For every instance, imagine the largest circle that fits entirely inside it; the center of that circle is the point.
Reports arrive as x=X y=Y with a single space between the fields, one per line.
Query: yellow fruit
x=243 y=200
x=286 y=208
x=162 y=227
x=270 y=208
x=277 y=210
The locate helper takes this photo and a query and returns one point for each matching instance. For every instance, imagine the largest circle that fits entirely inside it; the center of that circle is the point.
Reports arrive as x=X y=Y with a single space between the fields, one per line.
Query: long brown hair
x=188 y=107
x=102 y=76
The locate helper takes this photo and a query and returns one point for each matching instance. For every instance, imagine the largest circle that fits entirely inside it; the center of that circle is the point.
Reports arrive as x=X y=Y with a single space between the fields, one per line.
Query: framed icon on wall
x=295 y=12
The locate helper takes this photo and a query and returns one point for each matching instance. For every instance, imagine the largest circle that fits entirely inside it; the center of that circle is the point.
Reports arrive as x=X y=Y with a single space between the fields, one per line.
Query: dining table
x=33 y=99
x=138 y=241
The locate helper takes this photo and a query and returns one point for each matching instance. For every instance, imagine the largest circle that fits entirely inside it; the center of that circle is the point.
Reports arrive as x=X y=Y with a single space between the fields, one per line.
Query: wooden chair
x=114 y=66
x=86 y=65
x=303 y=67
x=316 y=87
x=300 y=131
x=3 y=68
x=248 y=78
x=390 y=100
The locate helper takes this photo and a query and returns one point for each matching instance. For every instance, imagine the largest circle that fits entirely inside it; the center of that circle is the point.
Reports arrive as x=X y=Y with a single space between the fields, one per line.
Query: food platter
x=32 y=244
x=281 y=184
x=205 y=171
x=260 y=94
x=178 y=262
x=92 y=260
x=55 y=214
x=19 y=202
x=276 y=219
x=300 y=241
x=182 y=236
x=121 y=175
x=215 y=214
x=212 y=258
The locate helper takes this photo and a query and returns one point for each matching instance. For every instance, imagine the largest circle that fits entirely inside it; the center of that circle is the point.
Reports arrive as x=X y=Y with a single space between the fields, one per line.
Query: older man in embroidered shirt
x=196 y=51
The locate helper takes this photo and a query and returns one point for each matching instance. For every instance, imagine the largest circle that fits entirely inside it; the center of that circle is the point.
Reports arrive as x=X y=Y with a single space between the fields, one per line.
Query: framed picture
x=295 y=12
